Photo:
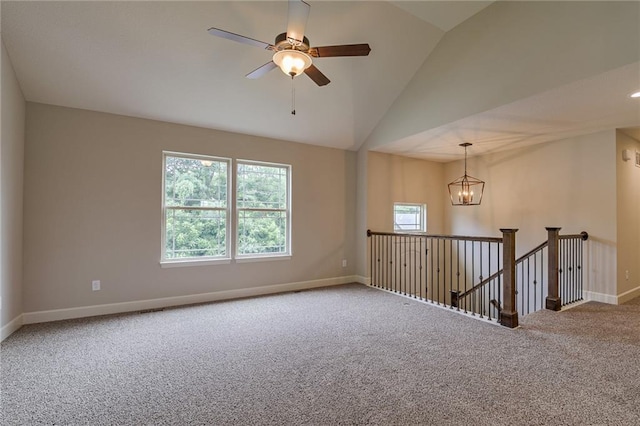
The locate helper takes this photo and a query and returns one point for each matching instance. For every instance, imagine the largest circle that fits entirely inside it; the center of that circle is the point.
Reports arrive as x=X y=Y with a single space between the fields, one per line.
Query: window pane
x=408 y=217
x=262 y=232
x=195 y=233
x=262 y=187
x=192 y=182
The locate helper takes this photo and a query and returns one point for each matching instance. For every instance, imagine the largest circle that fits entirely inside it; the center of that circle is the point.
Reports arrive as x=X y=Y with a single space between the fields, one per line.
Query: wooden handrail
x=583 y=236
x=496 y=274
x=441 y=237
x=532 y=251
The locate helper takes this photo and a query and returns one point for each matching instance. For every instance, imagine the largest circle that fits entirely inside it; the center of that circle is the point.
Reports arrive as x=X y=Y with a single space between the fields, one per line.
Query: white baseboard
x=12 y=326
x=116 y=308
x=628 y=295
x=363 y=280
x=612 y=299
x=601 y=297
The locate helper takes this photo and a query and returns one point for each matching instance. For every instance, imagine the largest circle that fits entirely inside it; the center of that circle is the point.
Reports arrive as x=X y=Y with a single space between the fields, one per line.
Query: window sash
x=219 y=250
x=247 y=246
x=279 y=174
x=418 y=211
x=243 y=206
x=170 y=205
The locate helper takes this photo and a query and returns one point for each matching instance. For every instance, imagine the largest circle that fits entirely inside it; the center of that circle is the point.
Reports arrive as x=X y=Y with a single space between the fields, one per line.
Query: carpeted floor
x=341 y=355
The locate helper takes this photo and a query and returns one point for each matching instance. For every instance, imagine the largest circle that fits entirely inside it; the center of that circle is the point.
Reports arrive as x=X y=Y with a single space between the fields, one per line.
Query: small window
x=262 y=209
x=195 y=207
x=409 y=217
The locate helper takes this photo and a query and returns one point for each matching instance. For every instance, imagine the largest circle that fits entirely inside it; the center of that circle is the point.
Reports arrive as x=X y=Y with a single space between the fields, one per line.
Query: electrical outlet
x=344 y=263
x=626 y=274
x=95 y=285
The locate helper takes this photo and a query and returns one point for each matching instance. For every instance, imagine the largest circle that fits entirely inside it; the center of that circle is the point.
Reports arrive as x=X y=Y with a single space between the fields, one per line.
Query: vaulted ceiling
x=156 y=60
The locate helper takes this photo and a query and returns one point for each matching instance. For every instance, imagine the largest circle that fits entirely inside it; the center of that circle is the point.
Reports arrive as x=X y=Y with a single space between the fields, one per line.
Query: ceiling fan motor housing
x=282 y=43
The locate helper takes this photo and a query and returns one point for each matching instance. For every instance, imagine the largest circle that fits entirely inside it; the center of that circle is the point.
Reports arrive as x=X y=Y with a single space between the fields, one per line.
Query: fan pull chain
x=293 y=97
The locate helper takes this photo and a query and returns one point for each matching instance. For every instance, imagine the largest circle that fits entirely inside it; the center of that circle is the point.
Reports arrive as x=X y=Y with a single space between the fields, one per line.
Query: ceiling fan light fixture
x=292 y=62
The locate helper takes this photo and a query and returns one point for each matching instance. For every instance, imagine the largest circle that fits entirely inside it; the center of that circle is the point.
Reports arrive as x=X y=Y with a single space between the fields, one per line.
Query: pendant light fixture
x=466 y=190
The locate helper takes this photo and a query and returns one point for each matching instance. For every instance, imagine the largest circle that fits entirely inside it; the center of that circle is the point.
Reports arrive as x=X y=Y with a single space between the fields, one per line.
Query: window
x=198 y=219
x=262 y=209
x=409 y=217
x=196 y=207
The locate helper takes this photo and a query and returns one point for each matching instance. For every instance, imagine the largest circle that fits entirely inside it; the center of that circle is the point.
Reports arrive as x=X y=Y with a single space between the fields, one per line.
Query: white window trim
x=205 y=260
x=245 y=258
x=268 y=258
x=193 y=262
x=423 y=211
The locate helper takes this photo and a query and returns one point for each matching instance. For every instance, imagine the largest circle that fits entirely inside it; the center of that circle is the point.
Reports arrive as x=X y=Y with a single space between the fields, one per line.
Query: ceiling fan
x=292 y=49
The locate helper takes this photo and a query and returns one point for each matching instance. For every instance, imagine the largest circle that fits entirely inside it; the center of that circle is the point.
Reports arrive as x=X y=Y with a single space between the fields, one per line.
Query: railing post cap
x=553 y=228
x=585 y=235
x=508 y=230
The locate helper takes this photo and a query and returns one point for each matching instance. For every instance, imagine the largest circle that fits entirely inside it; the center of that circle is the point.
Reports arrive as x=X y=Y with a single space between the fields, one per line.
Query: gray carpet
x=341 y=355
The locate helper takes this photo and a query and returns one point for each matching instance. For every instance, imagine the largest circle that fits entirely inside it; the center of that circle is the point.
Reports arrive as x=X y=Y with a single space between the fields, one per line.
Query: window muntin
x=196 y=218
x=409 y=217
x=262 y=209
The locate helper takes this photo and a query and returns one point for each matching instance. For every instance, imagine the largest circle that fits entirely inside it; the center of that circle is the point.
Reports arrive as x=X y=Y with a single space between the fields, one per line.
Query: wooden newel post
x=553 y=301
x=509 y=313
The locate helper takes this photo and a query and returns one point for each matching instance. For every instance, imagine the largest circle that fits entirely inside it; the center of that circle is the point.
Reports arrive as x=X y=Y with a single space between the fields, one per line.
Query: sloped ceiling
x=156 y=60
x=517 y=74
x=445 y=15
x=582 y=107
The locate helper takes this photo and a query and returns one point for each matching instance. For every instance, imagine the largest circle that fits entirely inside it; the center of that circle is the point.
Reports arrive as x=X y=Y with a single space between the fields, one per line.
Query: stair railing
x=566 y=273
x=563 y=271
x=528 y=274
x=450 y=271
x=437 y=268
x=530 y=278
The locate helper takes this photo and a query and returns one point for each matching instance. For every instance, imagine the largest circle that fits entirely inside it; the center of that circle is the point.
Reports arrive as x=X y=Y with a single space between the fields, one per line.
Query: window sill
x=209 y=262
x=192 y=262
x=263 y=258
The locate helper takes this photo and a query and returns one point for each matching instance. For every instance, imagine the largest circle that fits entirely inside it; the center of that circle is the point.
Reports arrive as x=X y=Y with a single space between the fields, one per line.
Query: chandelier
x=466 y=190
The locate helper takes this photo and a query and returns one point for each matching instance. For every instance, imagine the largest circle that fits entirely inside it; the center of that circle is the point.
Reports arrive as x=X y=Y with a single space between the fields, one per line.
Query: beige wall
x=11 y=178
x=92 y=210
x=533 y=46
x=628 y=217
x=569 y=183
x=384 y=179
x=361 y=215
x=394 y=179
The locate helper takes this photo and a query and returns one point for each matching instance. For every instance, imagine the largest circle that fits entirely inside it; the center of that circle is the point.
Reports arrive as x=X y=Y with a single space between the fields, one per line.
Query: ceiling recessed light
x=635 y=95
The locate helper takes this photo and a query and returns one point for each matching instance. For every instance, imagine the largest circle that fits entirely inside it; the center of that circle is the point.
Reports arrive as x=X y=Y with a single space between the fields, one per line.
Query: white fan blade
x=239 y=38
x=298 y=15
x=261 y=70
